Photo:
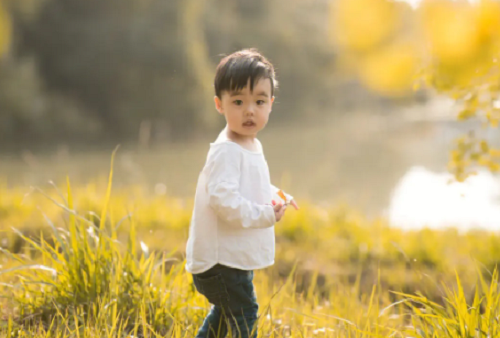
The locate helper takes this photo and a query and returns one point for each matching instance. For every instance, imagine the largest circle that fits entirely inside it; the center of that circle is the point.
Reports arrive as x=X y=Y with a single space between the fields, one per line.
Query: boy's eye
x=238 y=102
x=261 y=102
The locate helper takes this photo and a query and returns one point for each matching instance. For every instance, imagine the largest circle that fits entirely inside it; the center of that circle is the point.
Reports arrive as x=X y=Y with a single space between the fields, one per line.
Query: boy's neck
x=243 y=140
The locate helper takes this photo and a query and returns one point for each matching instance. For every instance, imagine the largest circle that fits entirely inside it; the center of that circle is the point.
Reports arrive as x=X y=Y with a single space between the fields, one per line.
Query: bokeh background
x=79 y=77
x=384 y=129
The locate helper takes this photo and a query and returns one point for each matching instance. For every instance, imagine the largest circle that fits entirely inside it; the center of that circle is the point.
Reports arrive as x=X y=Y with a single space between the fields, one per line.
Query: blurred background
x=79 y=77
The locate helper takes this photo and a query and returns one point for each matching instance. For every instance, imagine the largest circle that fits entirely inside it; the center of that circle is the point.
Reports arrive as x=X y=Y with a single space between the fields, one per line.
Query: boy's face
x=247 y=112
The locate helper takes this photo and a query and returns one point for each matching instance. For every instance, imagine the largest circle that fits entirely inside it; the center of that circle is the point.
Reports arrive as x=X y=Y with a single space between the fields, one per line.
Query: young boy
x=232 y=227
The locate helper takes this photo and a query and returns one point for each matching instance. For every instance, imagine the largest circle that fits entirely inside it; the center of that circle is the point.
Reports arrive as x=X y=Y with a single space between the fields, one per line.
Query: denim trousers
x=234 y=302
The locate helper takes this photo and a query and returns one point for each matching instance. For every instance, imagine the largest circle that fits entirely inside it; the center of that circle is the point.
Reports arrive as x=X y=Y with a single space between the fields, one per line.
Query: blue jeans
x=232 y=295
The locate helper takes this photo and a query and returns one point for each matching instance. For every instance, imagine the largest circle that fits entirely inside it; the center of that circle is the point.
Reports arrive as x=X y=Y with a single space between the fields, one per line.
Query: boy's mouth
x=249 y=124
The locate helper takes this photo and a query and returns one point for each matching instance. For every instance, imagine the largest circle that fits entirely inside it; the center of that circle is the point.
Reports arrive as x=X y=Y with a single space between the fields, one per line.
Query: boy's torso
x=211 y=240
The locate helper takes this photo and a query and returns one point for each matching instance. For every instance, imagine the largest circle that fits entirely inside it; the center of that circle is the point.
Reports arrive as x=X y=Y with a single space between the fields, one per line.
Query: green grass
x=111 y=265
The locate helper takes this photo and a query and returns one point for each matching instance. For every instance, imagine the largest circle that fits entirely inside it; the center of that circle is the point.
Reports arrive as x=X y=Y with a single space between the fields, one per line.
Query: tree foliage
x=121 y=65
x=5 y=29
x=449 y=47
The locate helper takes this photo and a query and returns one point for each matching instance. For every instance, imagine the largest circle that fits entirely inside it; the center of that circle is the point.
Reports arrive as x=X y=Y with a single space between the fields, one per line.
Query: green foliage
x=90 y=277
x=111 y=70
x=87 y=277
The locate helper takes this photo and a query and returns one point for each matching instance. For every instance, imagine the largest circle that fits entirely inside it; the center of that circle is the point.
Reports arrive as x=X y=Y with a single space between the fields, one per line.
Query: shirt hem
x=235 y=266
x=231 y=265
x=196 y=271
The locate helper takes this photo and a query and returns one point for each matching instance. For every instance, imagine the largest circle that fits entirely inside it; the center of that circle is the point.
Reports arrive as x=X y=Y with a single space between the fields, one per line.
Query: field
x=93 y=261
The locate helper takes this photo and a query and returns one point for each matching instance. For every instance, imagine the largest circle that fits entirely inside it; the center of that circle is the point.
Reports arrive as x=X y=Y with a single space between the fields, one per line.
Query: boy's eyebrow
x=240 y=93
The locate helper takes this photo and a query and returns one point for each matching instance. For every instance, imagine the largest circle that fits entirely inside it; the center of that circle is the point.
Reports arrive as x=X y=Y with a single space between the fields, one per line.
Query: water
x=432 y=199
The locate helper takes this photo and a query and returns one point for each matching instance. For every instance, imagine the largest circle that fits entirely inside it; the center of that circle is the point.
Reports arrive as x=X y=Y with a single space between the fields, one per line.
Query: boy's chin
x=251 y=132
x=245 y=132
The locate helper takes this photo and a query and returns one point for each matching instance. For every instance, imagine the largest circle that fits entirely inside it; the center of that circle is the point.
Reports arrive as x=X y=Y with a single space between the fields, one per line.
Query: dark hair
x=234 y=71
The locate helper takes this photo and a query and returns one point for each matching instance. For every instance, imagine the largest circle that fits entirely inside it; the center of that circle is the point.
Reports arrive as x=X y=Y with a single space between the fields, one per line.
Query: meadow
x=91 y=260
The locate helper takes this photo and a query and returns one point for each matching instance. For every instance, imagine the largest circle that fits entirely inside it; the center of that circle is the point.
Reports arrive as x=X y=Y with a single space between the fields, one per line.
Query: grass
x=111 y=265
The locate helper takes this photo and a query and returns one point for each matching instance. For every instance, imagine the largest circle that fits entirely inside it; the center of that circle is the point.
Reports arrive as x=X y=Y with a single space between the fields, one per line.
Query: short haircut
x=234 y=71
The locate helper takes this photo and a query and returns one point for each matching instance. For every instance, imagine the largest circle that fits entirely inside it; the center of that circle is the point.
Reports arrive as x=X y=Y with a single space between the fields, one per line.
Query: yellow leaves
x=494 y=123
x=456 y=156
x=457 y=43
x=466 y=114
x=484 y=146
x=493 y=116
x=461 y=158
x=451 y=30
x=470 y=151
x=362 y=24
x=494 y=153
x=493 y=166
x=365 y=30
x=488 y=19
x=5 y=30
x=463 y=38
x=390 y=70
x=488 y=162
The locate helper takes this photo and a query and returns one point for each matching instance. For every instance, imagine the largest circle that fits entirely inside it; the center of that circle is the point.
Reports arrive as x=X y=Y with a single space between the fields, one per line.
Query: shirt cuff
x=270 y=212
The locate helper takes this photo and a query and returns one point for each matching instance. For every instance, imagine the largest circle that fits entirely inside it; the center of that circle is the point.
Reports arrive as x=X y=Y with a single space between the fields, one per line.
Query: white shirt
x=233 y=220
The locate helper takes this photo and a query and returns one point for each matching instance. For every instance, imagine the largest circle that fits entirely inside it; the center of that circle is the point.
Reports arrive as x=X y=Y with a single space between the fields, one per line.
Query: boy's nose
x=250 y=109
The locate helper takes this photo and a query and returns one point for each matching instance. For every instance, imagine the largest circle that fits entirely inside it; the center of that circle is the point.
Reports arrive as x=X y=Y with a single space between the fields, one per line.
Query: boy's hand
x=279 y=211
x=294 y=204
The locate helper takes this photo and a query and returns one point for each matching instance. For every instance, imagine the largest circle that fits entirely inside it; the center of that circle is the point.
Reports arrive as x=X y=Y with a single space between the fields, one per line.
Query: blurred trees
x=99 y=70
x=89 y=70
x=120 y=59
x=450 y=47
x=5 y=29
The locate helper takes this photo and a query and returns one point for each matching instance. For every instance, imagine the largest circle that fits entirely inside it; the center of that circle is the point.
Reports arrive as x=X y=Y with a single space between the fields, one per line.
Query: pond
x=426 y=198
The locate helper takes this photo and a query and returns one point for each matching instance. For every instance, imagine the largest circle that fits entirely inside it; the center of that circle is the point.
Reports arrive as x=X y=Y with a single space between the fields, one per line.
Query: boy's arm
x=225 y=198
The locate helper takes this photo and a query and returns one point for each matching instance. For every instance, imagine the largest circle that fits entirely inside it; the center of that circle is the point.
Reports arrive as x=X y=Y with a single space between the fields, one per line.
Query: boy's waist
x=219 y=268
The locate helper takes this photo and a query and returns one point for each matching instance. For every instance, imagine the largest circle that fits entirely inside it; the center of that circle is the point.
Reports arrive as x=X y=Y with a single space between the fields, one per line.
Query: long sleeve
x=275 y=193
x=225 y=197
x=275 y=189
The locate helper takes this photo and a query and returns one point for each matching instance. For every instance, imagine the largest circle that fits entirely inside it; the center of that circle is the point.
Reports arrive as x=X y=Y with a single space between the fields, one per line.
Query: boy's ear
x=218 y=104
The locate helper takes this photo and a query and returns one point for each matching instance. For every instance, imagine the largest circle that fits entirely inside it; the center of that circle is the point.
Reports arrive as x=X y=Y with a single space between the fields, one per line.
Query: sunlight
x=415 y=3
x=424 y=198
